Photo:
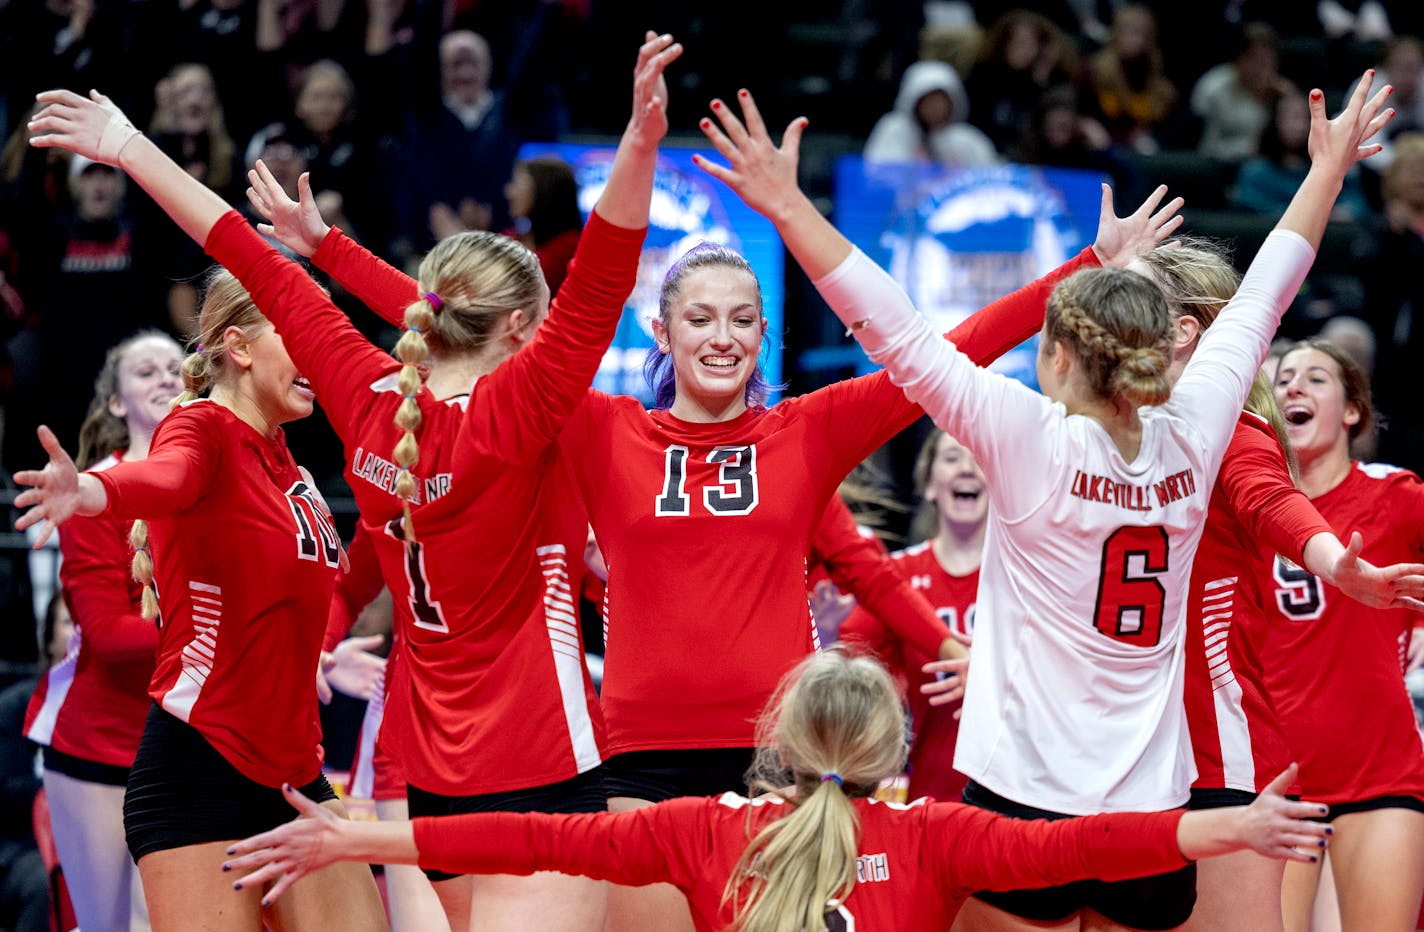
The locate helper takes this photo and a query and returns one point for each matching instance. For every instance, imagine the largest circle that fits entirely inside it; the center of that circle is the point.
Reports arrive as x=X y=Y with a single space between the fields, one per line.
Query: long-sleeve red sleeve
x=355 y=588
x=983 y=850
x=916 y=863
x=101 y=592
x=1255 y=480
x=380 y=286
x=173 y=476
x=860 y=566
x=332 y=354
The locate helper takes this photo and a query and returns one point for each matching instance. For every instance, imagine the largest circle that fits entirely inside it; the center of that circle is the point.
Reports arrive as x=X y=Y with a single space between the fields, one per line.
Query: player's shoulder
x=1389 y=475
x=911 y=552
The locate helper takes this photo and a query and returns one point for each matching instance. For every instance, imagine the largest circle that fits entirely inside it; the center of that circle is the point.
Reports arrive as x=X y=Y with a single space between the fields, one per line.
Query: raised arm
x=764 y=176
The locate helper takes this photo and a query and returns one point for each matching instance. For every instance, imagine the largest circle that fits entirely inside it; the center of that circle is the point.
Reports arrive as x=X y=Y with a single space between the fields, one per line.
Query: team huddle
x=1151 y=733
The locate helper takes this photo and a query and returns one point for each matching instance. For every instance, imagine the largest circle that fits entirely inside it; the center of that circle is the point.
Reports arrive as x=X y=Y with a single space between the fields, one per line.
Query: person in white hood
x=928 y=123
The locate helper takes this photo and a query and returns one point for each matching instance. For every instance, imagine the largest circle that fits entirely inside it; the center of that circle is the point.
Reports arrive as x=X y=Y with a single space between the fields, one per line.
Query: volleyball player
x=1333 y=667
x=476 y=542
x=722 y=489
x=244 y=555
x=1104 y=472
x=88 y=710
x=815 y=851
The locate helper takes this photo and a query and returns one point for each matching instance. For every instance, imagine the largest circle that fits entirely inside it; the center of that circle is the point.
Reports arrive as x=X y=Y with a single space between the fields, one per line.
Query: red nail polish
x=716 y=105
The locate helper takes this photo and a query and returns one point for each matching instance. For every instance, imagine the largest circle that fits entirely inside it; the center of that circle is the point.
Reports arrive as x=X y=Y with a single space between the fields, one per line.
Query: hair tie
x=833 y=777
x=201 y=348
x=434 y=300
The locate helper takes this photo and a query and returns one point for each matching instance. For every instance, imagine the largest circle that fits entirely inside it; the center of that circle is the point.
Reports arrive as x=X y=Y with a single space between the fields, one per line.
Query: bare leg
x=456 y=899
x=414 y=907
x=342 y=896
x=1299 y=886
x=547 y=901
x=1378 y=862
x=1238 y=891
x=187 y=892
x=658 y=906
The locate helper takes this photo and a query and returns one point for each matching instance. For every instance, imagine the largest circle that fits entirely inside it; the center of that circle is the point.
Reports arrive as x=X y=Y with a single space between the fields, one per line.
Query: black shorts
x=89 y=771
x=583 y=793
x=1161 y=901
x=1369 y=805
x=659 y=775
x=1219 y=798
x=183 y=792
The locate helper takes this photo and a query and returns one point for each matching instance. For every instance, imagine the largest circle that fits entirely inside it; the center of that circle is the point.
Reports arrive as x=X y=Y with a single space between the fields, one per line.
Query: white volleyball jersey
x=1075 y=704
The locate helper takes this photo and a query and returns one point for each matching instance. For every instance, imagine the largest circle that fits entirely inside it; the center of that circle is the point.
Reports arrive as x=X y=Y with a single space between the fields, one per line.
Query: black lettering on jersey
x=1299 y=594
x=673 y=498
x=736 y=491
x=316 y=537
x=839 y=919
x=738 y=472
x=427 y=613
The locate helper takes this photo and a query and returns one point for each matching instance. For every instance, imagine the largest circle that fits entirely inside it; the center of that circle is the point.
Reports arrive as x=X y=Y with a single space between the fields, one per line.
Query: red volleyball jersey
x=1255 y=510
x=92 y=705
x=916 y=865
x=737 y=503
x=1334 y=666
x=655 y=485
x=498 y=697
x=244 y=560
x=935 y=728
x=859 y=566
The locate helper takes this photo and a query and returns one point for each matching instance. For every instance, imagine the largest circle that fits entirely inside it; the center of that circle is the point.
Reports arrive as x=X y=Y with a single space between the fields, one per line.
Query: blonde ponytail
x=143 y=568
x=412 y=350
x=839 y=726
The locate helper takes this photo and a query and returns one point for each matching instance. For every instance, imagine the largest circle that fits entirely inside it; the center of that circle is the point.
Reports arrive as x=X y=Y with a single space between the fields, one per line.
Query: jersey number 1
x=425 y=611
x=1130 y=597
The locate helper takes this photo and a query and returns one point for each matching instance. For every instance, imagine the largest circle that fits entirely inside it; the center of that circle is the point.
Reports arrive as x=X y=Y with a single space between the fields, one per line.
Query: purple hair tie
x=201 y=348
x=434 y=300
x=834 y=778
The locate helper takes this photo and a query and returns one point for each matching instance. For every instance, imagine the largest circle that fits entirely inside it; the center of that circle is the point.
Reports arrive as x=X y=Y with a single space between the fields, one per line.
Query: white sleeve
x=1214 y=385
x=1002 y=420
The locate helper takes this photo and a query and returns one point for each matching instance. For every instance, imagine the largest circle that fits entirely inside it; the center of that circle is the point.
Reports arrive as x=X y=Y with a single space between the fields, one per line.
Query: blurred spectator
x=1361 y=20
x=1402 y=66
x=57 y=43
x=929 y=122
x=544 y=213
x=1266 y=183
x=1394 y=295
x=1234 y=98
x=340 y=157
x=1355 y=337
x=188 y=125
x=458 y=151
x=1063 y=137
x=87 y=277
x=956 y=44
x=1024 y=54
x=1129 y=83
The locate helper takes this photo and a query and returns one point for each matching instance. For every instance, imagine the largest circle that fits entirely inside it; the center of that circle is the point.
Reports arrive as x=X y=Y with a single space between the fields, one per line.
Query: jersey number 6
x=1130 y=597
